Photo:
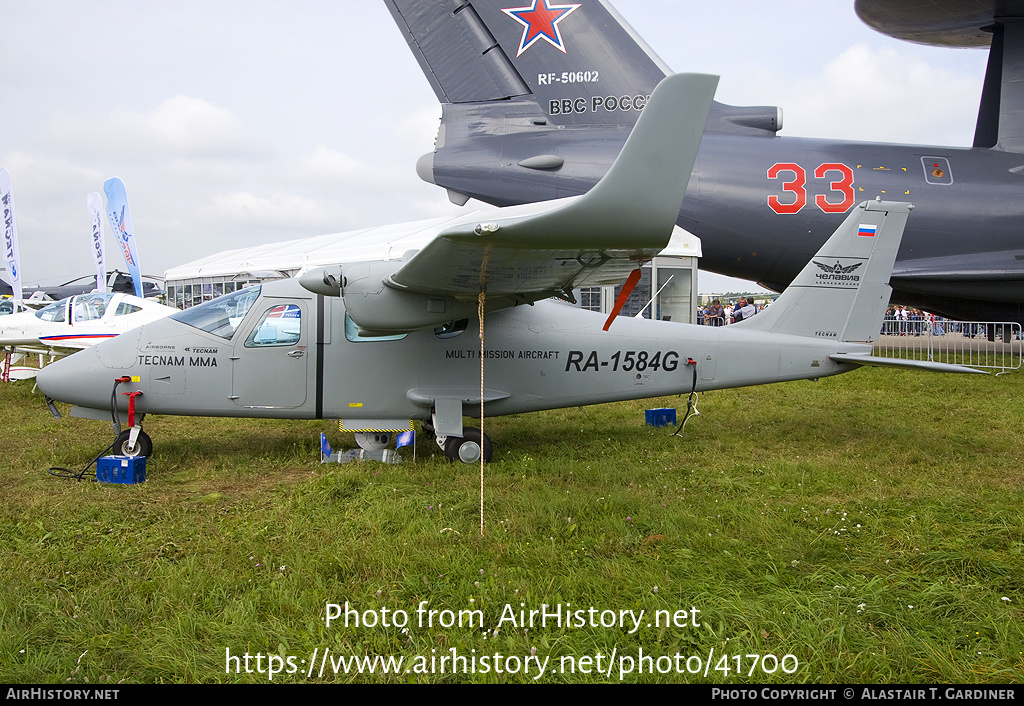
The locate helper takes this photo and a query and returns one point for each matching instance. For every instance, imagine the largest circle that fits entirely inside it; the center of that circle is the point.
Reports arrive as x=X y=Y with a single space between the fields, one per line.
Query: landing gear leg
x=469 y=447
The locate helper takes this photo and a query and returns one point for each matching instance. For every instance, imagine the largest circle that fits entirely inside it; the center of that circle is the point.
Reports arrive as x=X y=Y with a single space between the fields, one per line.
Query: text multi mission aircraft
x=539 y=95
x=380 y=343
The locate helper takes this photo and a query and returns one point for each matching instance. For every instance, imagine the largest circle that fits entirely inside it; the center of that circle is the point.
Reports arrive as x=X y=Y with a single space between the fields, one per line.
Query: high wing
x=628 y=216
x=525 y=253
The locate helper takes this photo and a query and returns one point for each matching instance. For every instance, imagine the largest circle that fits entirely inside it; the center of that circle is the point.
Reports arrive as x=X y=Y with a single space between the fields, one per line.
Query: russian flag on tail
x=867 y=230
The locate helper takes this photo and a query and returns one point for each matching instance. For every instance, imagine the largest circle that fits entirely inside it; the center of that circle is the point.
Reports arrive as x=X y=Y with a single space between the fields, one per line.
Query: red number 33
x=797 y=187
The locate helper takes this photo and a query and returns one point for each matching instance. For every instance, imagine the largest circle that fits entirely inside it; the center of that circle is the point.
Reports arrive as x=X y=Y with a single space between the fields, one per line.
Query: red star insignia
x=541 y=23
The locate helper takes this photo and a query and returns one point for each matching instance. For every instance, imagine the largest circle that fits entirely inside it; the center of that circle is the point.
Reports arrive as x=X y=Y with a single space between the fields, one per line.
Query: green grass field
x=865 y=528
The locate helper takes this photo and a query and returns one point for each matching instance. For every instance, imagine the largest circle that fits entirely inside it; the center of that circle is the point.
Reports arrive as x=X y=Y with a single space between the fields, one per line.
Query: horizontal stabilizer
x=877 y=361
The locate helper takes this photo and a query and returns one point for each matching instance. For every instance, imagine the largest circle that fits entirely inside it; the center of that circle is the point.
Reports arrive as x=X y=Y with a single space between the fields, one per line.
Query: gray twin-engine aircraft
x=377 y=344
x=538 y=96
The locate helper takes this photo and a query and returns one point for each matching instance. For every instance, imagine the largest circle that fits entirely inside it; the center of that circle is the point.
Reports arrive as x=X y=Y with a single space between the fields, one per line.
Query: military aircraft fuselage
x=763 y=204
x=545 y=356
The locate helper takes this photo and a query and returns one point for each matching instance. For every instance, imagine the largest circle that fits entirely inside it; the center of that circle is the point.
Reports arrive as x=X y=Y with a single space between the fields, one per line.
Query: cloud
x=287 y=212
x=181 y=126
x=324 y=164
x=420 y=126
x=49 y=174
x=878 y=94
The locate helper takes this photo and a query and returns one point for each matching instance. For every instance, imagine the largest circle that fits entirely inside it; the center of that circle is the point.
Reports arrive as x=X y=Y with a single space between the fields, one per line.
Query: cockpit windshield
x=53 y=312
x=222 y=315
x=84 y=307
x=89 y=307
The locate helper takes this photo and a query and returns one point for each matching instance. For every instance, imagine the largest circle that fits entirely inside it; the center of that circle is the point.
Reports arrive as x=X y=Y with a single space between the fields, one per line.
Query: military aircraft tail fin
x=581 y=62
x=1000 y=121
x=844 y=290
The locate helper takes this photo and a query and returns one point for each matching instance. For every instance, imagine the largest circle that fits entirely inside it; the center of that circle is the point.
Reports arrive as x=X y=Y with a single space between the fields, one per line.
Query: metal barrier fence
x=978 y=344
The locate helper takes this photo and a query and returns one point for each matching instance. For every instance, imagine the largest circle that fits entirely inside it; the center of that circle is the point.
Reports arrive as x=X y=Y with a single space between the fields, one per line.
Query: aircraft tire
x=467 y=448
x=143 y=445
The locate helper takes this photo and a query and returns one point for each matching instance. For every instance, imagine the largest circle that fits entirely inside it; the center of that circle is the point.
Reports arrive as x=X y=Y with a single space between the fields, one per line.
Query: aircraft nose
x=79 y=379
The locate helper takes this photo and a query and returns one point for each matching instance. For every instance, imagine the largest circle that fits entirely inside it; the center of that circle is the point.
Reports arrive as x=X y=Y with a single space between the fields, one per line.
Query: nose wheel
x=469 y=447
x=143 y=445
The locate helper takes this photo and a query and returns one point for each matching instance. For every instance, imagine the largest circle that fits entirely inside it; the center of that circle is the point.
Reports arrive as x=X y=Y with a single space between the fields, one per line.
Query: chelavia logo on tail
x=838 y=273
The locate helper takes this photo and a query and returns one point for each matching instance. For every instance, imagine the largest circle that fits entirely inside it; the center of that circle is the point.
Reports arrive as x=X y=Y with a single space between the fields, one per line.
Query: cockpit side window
x=280 y=326
x=124 y=308
x=352 y=333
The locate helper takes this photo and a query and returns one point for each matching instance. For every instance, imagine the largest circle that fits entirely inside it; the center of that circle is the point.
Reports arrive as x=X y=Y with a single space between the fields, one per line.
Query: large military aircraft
x=539 y=95
x=116 y=282
x=377 y=344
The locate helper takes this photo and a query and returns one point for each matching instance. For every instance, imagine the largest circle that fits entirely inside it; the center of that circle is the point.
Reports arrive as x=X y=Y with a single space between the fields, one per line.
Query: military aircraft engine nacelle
x=377 y=305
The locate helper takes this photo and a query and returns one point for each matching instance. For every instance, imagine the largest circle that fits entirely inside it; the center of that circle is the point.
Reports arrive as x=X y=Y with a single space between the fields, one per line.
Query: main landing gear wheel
x=468 y=447
x=143 y=444
x=373 y=440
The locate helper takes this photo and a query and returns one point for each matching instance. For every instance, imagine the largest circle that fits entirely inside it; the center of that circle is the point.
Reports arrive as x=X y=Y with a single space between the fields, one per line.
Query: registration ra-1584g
x=639 y=361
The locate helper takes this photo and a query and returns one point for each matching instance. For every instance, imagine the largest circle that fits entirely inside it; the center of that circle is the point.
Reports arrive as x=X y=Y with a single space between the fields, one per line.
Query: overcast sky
x=237 y=123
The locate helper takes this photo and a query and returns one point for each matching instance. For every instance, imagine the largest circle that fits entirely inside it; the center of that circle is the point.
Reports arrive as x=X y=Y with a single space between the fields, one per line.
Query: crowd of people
x=903 y=321
x=907 y=321
x=899 y=320
x=714 y=314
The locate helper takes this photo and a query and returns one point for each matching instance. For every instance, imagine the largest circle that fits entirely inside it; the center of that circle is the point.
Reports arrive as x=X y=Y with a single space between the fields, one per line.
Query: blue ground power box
x=662 y=417
x=121 y=469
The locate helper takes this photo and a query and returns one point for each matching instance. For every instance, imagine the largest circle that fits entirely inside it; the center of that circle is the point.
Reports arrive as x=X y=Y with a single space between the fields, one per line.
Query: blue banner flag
x=325 y=448
x=406 y=438
x=121 y=221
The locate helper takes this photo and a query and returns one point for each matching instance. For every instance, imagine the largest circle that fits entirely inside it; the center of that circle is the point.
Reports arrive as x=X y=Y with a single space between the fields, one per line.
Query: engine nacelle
x=378 y=309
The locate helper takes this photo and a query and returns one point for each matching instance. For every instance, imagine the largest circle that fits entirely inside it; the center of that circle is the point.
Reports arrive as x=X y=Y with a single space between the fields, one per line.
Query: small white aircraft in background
x=71 y=324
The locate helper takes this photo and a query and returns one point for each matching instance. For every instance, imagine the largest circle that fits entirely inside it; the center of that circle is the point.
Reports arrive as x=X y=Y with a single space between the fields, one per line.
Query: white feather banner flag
x=95 y=203
x=12 y=259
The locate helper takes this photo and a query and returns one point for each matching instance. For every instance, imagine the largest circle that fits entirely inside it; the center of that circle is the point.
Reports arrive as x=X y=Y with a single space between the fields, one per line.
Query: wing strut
x=627 y=289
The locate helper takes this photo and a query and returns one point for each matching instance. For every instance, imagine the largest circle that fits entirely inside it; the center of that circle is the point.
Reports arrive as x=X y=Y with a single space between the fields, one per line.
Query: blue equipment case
x=121 y=469
x=662 y=417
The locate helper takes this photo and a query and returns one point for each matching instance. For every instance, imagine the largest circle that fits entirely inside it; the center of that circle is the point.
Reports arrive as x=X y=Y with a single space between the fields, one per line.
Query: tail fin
x=849 y=275
x=581 y=62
